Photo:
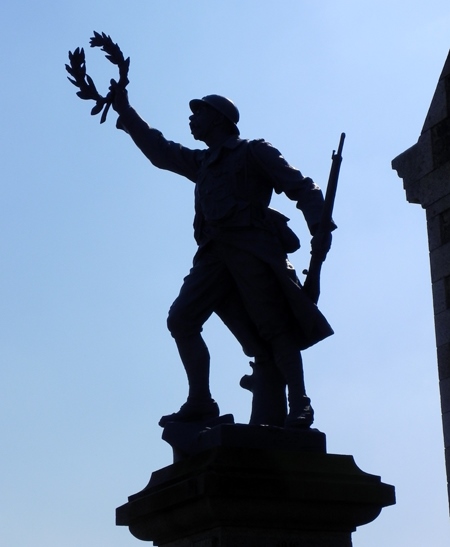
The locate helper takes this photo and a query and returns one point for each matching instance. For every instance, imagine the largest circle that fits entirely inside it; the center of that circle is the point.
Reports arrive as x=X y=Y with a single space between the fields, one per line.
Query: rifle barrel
x=332 y=183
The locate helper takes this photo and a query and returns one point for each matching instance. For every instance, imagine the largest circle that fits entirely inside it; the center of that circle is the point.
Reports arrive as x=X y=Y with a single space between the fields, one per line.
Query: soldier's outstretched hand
x=120 y=97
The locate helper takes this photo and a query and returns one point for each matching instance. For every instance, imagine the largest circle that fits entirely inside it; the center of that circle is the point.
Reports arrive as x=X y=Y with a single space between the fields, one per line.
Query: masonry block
x=443 y=353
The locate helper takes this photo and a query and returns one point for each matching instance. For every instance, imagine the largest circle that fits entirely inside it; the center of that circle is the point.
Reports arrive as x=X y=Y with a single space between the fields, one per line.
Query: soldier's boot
x=193 y=411
x=301 y=413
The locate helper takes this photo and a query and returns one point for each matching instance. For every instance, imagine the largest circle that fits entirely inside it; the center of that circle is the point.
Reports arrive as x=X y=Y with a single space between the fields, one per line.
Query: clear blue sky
x=94 y=243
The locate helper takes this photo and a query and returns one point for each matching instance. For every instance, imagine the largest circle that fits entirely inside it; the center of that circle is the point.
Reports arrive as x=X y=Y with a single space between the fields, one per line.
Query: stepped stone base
x=228 y=495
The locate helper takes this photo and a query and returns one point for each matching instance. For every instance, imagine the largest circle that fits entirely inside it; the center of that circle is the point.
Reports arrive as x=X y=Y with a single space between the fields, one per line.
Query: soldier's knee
x=173 y=323
x=179 y=324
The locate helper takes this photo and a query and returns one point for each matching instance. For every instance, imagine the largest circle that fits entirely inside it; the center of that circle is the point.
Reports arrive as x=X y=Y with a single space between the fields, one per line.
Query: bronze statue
x=241 y=270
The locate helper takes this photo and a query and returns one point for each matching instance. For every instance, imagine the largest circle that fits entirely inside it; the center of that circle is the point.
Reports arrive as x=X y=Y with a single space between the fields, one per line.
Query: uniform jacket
x=233 y=188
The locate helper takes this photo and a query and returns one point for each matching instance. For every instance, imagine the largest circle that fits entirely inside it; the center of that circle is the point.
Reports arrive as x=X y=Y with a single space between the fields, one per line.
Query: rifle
x=312 y=282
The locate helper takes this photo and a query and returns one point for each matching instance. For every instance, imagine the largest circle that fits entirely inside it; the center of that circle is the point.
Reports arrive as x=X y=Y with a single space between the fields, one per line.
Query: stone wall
x=425 y=170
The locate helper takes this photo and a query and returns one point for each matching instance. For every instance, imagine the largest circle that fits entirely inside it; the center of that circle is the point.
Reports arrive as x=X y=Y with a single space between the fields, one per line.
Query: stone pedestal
x=256 y=486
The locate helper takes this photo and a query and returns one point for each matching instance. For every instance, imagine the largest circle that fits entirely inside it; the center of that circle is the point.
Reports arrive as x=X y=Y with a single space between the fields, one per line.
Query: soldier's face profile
x=202 y=122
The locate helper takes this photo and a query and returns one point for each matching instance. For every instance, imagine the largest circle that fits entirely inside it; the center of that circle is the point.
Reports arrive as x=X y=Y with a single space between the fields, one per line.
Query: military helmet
x=221 y=104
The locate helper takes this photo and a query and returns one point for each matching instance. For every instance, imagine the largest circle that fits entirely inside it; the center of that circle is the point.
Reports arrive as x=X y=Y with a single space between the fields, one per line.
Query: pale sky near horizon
x=94 y=244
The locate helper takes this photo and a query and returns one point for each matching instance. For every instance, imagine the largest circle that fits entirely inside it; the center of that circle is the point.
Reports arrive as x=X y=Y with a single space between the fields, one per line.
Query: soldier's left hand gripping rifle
x=80 y=79
x=322 y=238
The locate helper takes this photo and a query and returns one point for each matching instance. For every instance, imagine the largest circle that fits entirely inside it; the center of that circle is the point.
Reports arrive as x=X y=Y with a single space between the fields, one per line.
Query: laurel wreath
x=82 y=80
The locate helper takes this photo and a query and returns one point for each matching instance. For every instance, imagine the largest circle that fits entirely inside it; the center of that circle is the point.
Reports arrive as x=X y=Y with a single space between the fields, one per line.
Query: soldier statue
x=241 y=270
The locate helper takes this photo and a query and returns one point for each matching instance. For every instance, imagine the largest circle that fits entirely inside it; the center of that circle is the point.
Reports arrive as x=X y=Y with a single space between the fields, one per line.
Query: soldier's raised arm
x=163 y=153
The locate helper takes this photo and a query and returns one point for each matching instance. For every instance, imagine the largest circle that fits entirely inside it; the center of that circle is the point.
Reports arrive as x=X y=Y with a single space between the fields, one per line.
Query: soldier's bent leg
x=200 y=405
x=203 y=287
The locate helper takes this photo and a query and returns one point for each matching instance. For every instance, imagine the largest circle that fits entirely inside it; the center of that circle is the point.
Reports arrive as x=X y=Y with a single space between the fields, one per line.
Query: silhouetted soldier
x=240 y=270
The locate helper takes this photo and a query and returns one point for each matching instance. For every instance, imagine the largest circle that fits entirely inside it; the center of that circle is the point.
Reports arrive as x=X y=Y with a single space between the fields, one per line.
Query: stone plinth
x=241 y=496
x=425 y=170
